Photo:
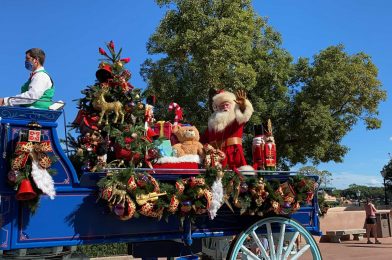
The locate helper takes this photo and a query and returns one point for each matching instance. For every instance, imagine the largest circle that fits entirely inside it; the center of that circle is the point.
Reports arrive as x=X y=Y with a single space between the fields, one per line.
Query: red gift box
x=163 y=129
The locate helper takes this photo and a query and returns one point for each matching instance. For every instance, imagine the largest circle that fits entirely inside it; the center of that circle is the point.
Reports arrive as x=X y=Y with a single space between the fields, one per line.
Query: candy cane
x=177 y=110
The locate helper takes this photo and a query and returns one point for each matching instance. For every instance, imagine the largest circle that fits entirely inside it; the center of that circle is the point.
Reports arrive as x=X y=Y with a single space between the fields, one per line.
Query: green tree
x=387 y=170
x=387 y=173
x=203 y=48
x=203 y=45
x=365 y=192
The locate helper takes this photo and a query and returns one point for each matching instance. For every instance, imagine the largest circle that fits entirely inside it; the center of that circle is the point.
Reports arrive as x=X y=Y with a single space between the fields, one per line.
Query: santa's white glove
x=258 y=141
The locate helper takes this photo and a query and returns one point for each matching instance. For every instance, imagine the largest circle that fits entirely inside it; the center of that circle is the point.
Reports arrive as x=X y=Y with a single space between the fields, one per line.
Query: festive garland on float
x=130 y=194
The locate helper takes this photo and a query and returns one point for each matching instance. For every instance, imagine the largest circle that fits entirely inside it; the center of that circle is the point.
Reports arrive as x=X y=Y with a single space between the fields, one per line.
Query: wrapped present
x=165 y=148
x=163 y=129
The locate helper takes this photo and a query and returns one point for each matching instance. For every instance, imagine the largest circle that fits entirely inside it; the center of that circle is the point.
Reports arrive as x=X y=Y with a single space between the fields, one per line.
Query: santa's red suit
x=226 y=135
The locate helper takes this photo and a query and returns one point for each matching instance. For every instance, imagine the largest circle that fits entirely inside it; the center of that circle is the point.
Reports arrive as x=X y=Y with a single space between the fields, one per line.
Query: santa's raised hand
x=240 y=96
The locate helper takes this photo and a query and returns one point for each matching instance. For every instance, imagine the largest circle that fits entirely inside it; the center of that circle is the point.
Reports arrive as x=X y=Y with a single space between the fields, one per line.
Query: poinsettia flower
x=102 y=51
x=111 y=45
x=126 y=60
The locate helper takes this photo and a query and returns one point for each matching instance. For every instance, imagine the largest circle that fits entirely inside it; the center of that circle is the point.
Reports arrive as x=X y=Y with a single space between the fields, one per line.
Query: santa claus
x=225 y=126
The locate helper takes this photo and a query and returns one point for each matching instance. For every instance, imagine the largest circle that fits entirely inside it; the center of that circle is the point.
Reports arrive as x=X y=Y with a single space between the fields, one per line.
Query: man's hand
x=240 y=99
x=1 y=101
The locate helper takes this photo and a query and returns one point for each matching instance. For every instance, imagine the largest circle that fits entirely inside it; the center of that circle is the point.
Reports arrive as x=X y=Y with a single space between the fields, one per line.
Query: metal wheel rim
x=277 y=250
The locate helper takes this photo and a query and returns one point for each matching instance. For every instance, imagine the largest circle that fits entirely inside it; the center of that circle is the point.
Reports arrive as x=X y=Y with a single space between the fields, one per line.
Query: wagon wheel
x=273 y=238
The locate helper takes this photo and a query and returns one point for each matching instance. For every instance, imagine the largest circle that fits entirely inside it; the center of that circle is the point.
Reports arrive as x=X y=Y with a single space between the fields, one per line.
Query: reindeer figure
x=100 y=104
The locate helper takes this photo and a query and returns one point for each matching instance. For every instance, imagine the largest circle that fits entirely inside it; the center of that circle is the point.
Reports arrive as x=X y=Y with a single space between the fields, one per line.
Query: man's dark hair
x=37 y=53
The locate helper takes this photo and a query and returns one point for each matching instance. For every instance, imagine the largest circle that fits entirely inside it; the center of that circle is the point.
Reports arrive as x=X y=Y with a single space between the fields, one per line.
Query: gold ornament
x=99 y=103
x=142 y=199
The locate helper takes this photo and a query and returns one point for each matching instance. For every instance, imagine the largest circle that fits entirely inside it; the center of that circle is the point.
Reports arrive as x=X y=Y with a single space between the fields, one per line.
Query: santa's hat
x=221 y=97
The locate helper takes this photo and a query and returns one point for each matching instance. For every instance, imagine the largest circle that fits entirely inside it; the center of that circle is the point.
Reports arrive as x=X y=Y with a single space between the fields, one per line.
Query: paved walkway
x=334 y=251
x=356 y=250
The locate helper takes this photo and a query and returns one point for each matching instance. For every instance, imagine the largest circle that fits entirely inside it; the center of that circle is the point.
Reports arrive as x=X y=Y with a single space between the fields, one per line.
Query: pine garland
x=254 y=195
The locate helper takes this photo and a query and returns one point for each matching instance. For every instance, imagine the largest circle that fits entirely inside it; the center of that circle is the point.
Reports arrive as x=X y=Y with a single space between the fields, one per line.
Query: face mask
x=29 y=65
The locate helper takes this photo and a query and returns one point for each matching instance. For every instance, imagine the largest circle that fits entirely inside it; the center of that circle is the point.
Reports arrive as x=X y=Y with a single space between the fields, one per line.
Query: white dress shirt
x=40 y=82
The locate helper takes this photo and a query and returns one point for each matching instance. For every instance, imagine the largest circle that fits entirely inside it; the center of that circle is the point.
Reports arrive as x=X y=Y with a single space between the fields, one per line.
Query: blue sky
x=71 y=31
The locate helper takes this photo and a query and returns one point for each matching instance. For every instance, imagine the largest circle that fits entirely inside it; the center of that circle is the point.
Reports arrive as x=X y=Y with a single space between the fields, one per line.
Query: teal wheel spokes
x=274 y=238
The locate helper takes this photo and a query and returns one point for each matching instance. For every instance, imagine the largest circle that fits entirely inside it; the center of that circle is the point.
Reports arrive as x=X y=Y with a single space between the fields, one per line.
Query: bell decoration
x=25 y=191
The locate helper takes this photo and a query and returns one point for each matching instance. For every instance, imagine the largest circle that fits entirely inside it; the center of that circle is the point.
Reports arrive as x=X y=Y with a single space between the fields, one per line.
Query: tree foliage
x=386 y=172
x=212 y=44
x=365 y=192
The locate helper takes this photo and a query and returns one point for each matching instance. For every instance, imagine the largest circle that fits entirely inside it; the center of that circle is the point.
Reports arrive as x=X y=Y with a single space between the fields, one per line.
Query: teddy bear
x=188 y=137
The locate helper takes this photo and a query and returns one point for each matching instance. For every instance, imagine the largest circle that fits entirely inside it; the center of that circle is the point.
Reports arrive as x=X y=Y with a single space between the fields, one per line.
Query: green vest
x=46 y=99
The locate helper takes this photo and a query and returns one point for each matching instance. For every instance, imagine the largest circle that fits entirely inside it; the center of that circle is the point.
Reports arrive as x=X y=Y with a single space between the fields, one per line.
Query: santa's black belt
x=227 y=142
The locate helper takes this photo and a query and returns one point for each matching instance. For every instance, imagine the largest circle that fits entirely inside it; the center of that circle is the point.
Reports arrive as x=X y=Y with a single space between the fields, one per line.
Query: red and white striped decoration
x=177 y=110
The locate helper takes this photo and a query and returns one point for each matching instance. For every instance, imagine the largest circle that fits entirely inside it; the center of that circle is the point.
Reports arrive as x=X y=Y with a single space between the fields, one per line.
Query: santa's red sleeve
x=243 y=116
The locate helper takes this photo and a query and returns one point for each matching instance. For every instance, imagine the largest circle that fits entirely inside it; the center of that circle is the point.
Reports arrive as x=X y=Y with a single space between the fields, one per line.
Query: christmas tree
x=111 y=119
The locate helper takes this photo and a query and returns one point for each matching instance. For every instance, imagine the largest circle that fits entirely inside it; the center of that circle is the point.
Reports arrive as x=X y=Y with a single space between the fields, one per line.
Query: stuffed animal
x=188 y=137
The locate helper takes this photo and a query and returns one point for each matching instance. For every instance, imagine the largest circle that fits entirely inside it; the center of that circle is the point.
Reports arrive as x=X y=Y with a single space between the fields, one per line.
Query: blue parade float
x=74 y=217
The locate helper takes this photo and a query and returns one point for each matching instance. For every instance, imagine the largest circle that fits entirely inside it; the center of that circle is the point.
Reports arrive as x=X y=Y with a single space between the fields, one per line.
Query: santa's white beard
x=219 y=120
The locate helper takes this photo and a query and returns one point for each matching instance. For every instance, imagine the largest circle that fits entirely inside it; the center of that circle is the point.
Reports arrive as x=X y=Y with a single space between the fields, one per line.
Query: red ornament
x=111 y=45
x=126 y=60
x=102 y=51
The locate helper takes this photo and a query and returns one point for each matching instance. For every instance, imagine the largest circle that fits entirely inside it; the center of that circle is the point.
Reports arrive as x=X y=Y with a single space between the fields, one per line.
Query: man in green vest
x=38 y=91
